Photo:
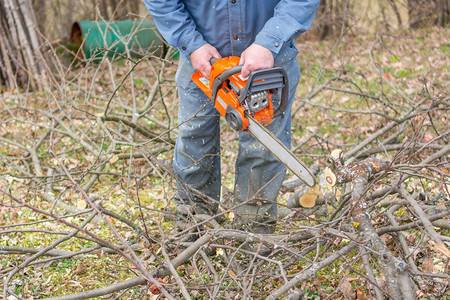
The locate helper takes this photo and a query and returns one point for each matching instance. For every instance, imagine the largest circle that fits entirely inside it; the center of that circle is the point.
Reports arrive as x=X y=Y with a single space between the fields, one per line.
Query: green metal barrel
x=116 y=38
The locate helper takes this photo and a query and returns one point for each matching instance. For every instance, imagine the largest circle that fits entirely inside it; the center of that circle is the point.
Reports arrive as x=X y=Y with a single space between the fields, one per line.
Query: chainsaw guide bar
x=280 y=151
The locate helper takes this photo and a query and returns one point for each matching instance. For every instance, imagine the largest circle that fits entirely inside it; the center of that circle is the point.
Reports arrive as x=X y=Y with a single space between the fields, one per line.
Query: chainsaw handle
x=276 y=78
x=237 y=69
x=284 y=96
x=221 y=78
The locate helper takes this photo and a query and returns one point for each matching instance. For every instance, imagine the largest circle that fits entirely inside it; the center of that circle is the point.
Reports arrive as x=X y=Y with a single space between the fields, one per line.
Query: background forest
x=86 y=142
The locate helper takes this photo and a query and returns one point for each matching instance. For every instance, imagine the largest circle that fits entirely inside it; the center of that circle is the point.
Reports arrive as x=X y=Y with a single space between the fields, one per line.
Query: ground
x=351 y=87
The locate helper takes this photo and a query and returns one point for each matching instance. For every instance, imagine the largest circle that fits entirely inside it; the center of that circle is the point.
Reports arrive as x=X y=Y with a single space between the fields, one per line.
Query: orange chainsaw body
x=227 y=93
x=246 y=104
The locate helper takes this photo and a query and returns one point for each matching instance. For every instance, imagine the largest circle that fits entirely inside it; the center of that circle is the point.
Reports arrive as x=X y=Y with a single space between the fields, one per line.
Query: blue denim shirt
x=231 y=25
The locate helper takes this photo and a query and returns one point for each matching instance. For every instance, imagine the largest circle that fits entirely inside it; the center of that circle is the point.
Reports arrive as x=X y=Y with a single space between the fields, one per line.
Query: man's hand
x=200 y=58
x=255 y=57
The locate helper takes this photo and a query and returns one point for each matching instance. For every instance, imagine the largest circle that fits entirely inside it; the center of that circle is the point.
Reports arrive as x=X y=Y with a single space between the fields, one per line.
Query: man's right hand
x=200 y=58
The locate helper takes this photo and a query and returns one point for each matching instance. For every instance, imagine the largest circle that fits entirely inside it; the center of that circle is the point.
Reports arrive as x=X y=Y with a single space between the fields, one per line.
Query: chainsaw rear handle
x=274 y=78
x=251 y=79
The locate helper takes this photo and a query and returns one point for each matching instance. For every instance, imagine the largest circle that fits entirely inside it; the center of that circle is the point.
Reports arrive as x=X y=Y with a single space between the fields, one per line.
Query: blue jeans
x=197 y=152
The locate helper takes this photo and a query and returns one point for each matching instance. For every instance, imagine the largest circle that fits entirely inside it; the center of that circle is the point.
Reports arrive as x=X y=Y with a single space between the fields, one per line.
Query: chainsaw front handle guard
x=221 y=79
x=274 y=78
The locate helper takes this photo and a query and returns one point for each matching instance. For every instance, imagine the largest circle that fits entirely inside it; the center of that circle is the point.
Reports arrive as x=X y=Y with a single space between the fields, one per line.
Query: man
x=262 y=33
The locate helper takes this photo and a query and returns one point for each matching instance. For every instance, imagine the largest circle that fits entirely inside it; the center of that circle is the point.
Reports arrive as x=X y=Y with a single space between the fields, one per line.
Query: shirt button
x=184 y=47
x=276 y=44
x=233 y=1
x=235 y=37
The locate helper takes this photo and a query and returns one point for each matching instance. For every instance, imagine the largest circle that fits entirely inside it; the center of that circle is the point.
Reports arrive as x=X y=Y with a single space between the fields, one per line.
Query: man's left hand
x=255 y=57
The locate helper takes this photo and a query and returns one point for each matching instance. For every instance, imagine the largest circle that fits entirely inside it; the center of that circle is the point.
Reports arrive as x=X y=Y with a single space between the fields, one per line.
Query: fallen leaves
x=428 y=137
x=113 y=159
x=441 y=248
x=80 y=269
x=428 y=265
x=346 y=289
x=154 y=289
x=81 y=204
x=360 y=295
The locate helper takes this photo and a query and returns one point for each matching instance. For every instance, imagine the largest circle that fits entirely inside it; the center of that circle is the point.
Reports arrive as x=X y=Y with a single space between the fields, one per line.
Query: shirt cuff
x=269 y=41
x=191 y=43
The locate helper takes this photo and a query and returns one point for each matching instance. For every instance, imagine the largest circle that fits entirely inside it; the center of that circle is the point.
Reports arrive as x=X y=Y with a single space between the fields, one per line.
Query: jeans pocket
x=184 y=73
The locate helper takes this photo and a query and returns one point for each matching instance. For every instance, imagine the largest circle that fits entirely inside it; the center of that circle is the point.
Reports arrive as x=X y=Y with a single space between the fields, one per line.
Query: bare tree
x=21 y=53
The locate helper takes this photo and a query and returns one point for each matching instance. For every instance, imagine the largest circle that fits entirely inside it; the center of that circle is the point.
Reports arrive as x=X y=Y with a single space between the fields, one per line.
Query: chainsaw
x=246 y=104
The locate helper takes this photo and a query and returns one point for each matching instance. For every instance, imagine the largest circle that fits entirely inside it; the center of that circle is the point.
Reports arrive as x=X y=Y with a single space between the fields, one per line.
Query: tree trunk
x=133 y=7
x=103 y=7
x=329 y=19
x=397 y=13
x=21 y=57
x=69 y=17
x=39 y=8
x=444 y=12
x=5 y=63
x=119 y=9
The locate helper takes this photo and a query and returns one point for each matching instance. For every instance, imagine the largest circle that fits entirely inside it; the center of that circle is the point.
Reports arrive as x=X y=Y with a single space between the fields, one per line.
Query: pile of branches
x=66 y=153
